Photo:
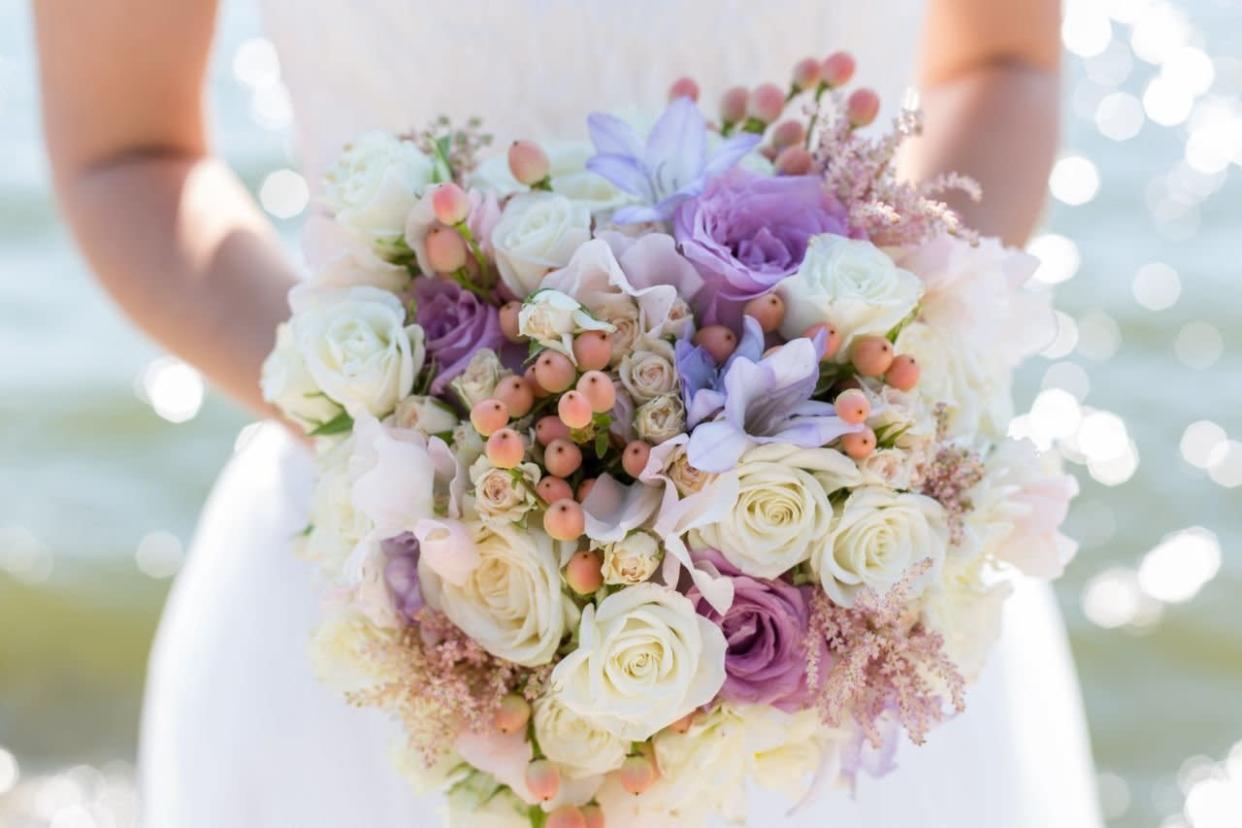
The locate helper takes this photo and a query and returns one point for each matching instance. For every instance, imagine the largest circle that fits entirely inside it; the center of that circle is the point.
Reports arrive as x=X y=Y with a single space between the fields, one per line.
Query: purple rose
x=748 y=231
x=456 y=324
x=401 y=574
x=766 y=632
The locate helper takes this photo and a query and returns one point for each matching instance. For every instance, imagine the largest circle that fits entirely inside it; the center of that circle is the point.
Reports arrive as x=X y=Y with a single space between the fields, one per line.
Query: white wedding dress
x=236 y=731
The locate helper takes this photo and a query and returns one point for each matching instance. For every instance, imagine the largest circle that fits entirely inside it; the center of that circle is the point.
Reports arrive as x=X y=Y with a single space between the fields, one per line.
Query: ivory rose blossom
x=645 y=658
x=973 y=384
x=660 y=418
x=573 y=742
x=647 y=371
x=537 y=232
x=504 y=495
x=375 y=183
x=511 y=603
x=850 y=284
x=479 y=380
x=356 y=346
x=877 y=535
x=782 y=513
x=426 y=415
x=287 y=384
x=551 y=318
x=632 y=559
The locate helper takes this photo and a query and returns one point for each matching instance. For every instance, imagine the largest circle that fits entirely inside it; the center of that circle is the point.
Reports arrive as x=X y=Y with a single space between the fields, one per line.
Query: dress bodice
x=536 y=68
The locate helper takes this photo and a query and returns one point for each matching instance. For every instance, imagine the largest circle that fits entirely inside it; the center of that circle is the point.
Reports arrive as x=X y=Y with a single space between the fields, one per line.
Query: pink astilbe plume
x=860 y=172
x=882 y=661
x=442 y=682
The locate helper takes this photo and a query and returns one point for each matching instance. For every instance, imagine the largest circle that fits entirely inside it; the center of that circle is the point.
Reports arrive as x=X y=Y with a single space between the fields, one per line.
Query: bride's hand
x=170 y=231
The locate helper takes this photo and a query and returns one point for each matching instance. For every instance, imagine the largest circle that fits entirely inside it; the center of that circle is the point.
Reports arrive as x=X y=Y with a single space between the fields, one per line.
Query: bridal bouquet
x=657 y=467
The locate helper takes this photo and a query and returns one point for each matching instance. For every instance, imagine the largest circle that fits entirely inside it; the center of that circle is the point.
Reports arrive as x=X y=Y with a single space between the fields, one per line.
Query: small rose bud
x=564 y=520
x=516 y=395
x=551 y=489
x=450 y=204
x=859 y=444
x=574 y=409
x=717 y=340
x=788 y=134
x=852 y=406
x=593 y=349
x=554 y=372
x=683 y=88
x=637 y=774
x=562 y=458
x=862 y=107
x=794 y=160
x=511 y=714
x=733 y=105
x=806 y=74
x=871 y=355
x=768 y=310
x=837 y=69
x=634 y=458
x=509 y=321
x=505 y=448
x=489 y=416
x=543 y=779
x=599 y=390
x=446 y=251
x=584 y=573
x=528 y=162
x=903 y=374
x=767 y=102
x=550 y=428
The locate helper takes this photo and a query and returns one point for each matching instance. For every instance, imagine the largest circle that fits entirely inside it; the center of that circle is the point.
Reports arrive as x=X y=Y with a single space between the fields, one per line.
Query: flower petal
x=716 y=447
x=613 y=136
x=622 y=170
x=730 y=152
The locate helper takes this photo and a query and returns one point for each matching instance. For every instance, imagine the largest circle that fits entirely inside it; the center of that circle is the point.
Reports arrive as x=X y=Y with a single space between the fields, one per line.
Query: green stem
x=462 y=277
x=477 y=251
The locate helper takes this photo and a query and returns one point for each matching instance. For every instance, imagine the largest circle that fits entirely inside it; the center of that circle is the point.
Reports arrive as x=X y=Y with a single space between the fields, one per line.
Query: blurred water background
x=108 y=446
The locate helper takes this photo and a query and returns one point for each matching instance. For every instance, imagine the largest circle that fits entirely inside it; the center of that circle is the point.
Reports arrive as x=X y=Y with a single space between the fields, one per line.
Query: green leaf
x=337 y=425
x=601 y=444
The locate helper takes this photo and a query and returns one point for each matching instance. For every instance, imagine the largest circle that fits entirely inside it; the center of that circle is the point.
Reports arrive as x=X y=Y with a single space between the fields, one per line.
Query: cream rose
x=645 y=658
x=686 y=477
x=974 y=384
x=481 y=802
x=374 y=184
x=788 y=750
x=851 y=284
x=357 y=347
x=660 y=419
x=426 y=415
x=287 y=384
x=551 y=318
x=622 y=313
x=504 y=494
x=966 y=610
x=782 y=513
x=478 y=381
x=647 y=371
x=573 y=742
x=877 y=536
x=511 y=603
x=336 y=526
x=537 y=232
x=631 y=560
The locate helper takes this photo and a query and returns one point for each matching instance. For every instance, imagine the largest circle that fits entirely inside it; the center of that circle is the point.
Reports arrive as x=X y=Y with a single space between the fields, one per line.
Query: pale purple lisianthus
x=456 y=324
x=765 y=633
x=766 y=401
x=747 y=231
x=401 y=574
x=672 y=165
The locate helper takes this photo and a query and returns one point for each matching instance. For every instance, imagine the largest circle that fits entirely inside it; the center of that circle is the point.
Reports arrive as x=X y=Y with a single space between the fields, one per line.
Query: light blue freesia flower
x=767 y=401
x=702 y=380
x=671 y=167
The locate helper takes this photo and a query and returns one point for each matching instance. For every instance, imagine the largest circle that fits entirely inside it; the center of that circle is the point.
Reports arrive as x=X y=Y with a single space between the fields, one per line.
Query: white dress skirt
x=236 y=730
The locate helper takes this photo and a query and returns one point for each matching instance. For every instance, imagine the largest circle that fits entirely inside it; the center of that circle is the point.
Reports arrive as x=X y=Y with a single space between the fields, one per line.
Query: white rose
x=443 y=773
x=551 y=318
x=504 y=494
x=287 y=384
x=789 y=750
x=877 y=537
x=573 y=742
x=703 y=770
x=851 y=284
x=889 y=467
x=479 y=380
x=782 y=512
x=645 y=658
x=631 y=560
x=468 y=446
x=622 y=313
x=481 y=802
x=537 y=232
x=426 y=415
x=966 y=611
x=973 y=383
x=342 y=649
x=336 y=526
x=648 y=371
x=357 y=347
x=660 y=419
x=511 y=603
x=374 y=184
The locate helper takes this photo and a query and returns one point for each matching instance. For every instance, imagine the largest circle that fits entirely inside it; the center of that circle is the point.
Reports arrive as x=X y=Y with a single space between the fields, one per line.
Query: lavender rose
x=401 y=574
x=746 y=232
x=456 y=325
x=765 y=632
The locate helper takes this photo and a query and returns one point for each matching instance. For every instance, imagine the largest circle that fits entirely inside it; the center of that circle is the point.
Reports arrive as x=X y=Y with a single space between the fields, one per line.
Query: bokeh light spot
x=1156 y=286
x=1074 y=180
x=1198 y=345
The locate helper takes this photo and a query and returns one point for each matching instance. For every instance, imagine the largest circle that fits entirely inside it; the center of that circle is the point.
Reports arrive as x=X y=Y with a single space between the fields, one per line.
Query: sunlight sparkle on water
x=1074 y=180
x=1156 y=286
x=173 y=388
x=1199 y=442
x=1058 y=258
x=1180 y=565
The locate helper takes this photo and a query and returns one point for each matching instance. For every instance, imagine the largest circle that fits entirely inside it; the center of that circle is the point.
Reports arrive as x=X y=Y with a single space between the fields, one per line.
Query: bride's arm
x=171 y=233
x=990 y=89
